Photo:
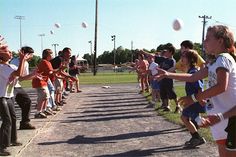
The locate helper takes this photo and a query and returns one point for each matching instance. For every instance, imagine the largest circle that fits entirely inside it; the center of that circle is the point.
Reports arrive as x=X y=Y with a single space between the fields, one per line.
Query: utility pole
x=113 y=38
x=95 y=40
x=91 y=51
x=55 y=48
x=204 y=17
x=41 y=36
x=20 y=18
x=132 y=57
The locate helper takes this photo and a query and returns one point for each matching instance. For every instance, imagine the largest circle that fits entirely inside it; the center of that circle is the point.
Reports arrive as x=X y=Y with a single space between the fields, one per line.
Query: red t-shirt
x=45 y=68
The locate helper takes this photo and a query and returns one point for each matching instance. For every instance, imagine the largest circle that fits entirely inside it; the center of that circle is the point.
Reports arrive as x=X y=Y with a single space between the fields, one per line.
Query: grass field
x=125 y=77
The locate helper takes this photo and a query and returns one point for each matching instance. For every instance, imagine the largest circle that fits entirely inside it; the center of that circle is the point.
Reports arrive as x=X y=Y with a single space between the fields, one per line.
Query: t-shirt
x=7 y=88
x=193 y=87
x=226 y=100
x=165 y=63
x=57 y=62
x=16 y=62
x=153 y=68
x=46 y=69
x=73 y=69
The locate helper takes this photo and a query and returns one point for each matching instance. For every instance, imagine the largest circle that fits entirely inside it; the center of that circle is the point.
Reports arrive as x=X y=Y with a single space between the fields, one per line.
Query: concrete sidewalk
x=106 y=122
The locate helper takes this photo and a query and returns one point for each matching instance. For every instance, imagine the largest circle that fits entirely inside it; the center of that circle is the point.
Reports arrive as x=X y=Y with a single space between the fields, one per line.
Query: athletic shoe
x=194 y=142
x=4 y=152
x=26 y=126
x=40 y=115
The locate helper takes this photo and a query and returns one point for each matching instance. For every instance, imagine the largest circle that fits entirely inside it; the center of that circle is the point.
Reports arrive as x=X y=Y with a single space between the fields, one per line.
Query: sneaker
x=178 y=109
x=56 y=108
x=26 y=126
x=4 y=152
x=151 y=104
x=166 y=109
x=47 y=112
x=40 y=115
x=78 y=91
x=16 y=144
x=194 y=142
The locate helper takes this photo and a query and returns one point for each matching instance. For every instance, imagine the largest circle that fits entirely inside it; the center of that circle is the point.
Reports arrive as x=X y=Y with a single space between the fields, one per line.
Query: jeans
x=51 y=101
x=8 y=133
x=23 y=100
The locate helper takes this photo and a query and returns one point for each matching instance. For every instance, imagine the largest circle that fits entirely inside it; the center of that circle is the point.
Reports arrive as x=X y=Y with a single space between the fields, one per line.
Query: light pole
x=42 y=35
x=113 y=38
x=20 y=18
x=55 y=48
x=91 y=50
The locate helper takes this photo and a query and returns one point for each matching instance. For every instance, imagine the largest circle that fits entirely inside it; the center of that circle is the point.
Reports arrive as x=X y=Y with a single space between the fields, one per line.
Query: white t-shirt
x=226 y=100
x=7 y=88
x=153 y=68
x=16 y=62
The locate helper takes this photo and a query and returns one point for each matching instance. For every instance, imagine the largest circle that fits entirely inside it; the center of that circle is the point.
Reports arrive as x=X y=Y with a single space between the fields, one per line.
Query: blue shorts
x=193 y=111
x=155 y=84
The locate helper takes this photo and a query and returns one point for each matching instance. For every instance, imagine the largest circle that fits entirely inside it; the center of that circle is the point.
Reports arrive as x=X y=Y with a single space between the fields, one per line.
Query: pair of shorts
x=167 y=91
x=193 y=111
x=155 y=84
x=43 y=94
x=58 y=83
x=231 y=134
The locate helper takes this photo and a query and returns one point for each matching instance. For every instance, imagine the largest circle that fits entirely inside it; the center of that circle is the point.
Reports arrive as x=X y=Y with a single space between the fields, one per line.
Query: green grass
x=175 y=118
x=100 y=78
x=125 y=77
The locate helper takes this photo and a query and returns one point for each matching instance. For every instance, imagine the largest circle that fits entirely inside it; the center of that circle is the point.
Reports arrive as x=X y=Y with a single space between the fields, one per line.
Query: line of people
x=218 y=99
x=49 y=79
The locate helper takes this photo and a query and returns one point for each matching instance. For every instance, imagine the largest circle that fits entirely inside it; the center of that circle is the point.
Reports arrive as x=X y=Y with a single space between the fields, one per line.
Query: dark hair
x=46 y=52
x=187 y=44
x=171 y=49
x=27 y=49
x=66 y=49
x=73 y=57
x=191 y=56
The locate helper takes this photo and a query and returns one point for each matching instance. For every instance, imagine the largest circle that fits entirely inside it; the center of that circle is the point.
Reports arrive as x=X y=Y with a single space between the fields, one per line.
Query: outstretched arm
x=183 y=76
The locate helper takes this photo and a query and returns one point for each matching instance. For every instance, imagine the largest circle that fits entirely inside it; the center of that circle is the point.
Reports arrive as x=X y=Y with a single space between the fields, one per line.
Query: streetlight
x=42 y=35
x=55 y=48
x=91 y=51
x=113 y=38
x=20 y=18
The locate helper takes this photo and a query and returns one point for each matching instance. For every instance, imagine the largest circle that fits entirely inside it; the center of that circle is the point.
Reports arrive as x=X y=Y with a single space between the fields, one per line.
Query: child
x=74 y=71
x=8 y=73
x=190 y=113
x=143 y=73
x=154 y=83
x=40 y=84
x=221 y=80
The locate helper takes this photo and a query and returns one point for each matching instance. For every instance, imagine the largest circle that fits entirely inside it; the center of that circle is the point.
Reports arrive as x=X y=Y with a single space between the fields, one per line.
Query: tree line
x=122 y=55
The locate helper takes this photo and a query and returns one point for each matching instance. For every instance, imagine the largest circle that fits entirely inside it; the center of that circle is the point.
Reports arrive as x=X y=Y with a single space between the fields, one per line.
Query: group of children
x=218 y=100
x=48 y=79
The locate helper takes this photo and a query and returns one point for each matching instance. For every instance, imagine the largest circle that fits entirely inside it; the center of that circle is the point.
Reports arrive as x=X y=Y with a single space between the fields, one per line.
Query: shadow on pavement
x=146 y=152
x=81 y=139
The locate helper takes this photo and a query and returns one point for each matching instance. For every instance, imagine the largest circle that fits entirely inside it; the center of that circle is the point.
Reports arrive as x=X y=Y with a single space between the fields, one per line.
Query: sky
x=148 y=23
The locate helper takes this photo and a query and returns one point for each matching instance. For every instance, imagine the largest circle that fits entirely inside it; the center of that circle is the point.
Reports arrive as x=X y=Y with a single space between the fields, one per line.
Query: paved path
x=109 y=122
